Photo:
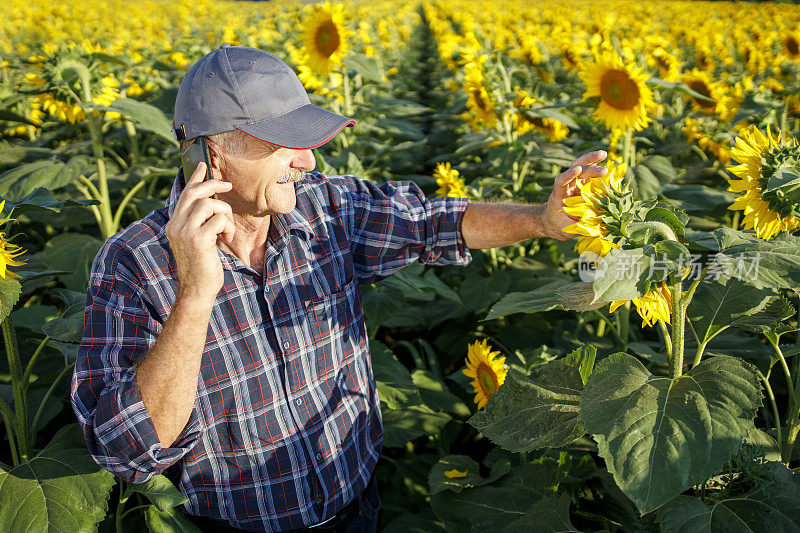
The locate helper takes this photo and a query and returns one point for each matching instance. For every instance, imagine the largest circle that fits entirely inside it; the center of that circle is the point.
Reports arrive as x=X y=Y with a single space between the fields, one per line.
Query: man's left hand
x=566 y=185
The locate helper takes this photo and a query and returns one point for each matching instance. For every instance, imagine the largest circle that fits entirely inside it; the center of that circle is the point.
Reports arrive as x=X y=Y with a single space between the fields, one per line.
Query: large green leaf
x=50 y=174
x=42 y=199
x=144 y=116
x=408 y=423
x=464 y=472
x=716 y=305
x=436 y=395
x=71 y=252
x=659 y=436
x=773 y=506
x=552 y=293
x=160 y=491
x=60 y=489
x=529 y=413
x=169 y=521
x=621 y=275
x=650 y=175
x=395 y=385
x=774 y=263
x=548 y=515
x=10 y=290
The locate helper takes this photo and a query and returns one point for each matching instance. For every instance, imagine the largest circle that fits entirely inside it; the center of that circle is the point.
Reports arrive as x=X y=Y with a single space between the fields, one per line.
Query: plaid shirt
x=286 y=427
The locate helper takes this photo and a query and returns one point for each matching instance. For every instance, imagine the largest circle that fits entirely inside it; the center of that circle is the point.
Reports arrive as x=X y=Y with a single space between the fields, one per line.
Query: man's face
x=263 y=177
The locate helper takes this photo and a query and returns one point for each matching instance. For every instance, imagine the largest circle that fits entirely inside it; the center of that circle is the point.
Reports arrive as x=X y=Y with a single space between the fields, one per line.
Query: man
x=224 y=334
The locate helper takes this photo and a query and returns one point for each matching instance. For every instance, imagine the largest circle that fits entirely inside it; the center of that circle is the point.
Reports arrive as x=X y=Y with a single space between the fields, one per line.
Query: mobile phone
x=193 y=155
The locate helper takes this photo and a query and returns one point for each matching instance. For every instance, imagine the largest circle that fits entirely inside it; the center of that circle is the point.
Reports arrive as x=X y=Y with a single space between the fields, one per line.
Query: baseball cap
x=239 y=87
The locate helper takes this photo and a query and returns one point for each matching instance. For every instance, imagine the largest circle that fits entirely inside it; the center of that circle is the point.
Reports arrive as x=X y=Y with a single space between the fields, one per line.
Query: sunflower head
x=624 y=98
x=603 y=207
x=765 y=167
x=8 y=251
x=325 y=37
x=485 y=369
x=523 y=122
x=448 y=181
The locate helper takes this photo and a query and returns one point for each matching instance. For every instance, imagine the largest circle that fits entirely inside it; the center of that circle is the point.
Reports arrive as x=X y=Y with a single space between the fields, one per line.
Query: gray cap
x=238 y=87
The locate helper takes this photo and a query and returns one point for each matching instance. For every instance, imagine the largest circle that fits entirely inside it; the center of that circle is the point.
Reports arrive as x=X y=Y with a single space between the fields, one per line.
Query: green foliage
x=59 y=489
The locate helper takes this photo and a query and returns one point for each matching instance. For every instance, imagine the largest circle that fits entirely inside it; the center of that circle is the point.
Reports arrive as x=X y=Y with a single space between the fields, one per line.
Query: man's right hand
x=196 y=223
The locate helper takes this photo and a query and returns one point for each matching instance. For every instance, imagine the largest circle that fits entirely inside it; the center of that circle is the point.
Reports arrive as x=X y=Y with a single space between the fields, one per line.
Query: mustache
x=292 y=175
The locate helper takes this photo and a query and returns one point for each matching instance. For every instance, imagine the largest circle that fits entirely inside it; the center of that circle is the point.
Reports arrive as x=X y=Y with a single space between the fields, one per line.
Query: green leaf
x=621 y=274
x=395 y=386
x=680 y=88
x=22 y=180
x=650 y=175
x=71 y=252
x=699 y=199
x=145 y=116
x=160 y=491
x=769 y=318
x=529 y=413
x=436 y=395
x=42 y=199
x=583 y=359
x=403 y=425
x=660 y=436
x=543 y=298
x=772 y=506
x=6 y=114
x=550 y=112
x=169 y=521
x=668 y=217
x=716 y=304
x=10 y=289
x=484 y=508
x=364 y=65
x=69 y=326
x=438 y=481
x=774 y=263
x=59 y=489
x=548 y=515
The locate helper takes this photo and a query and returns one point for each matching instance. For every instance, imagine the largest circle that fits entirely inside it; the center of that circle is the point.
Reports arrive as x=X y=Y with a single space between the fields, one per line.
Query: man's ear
x=216 y=159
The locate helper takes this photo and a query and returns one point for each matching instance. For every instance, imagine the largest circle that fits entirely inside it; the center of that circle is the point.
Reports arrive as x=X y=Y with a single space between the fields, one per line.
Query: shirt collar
x=295 y=221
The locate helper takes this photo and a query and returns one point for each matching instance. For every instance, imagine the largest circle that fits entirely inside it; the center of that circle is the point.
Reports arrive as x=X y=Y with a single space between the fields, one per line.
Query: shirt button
x=319 y=457
x=299 y=401
x=286 y=345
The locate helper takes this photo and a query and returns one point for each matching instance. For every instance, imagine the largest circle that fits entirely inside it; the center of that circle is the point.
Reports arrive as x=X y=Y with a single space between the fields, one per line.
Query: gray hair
x=229 y=142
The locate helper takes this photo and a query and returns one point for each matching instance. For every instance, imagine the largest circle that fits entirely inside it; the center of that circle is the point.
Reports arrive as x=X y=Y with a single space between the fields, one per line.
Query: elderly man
x=224 y=335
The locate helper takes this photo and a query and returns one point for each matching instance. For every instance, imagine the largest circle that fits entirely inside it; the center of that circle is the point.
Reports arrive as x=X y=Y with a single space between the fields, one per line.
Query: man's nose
x=304 y=160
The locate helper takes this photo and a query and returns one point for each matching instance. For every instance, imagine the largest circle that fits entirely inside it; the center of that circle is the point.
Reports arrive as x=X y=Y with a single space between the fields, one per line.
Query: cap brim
x=307 y=126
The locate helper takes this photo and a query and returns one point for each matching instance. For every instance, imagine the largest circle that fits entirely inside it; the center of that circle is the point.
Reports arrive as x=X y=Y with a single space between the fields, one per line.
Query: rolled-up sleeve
x=118 y=331
x=395 y=224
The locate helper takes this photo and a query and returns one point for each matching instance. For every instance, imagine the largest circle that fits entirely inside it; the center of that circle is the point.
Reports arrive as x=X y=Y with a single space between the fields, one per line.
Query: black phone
x=193 y=155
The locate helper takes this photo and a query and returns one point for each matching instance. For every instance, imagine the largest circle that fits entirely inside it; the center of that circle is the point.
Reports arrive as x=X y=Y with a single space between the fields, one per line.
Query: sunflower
x=325 y=37
x=655 y=304
x=591 y=207
x=8 y=251
x=700 y=82
x=624 y=96
x=479 y=103
x=791 y=46
x=485 y=369
x=759 y=156
x=553 y=130
x=448 y=181
x=667 y=63
x=704 y=134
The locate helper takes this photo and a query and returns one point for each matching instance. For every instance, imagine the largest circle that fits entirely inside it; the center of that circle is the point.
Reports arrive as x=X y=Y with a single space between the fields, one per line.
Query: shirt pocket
x=331 y=329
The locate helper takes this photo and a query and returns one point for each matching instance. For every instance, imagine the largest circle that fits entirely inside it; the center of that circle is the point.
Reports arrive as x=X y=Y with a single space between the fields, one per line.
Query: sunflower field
x=643 y=376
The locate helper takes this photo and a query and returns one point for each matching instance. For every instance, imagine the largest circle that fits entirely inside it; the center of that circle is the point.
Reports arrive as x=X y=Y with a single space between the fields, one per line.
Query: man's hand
x=566 y=184
x=196 y=223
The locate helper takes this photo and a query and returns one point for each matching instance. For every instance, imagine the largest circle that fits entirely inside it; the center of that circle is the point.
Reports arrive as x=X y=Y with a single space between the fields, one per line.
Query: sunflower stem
x=20 y=398
x=774 y=407
x=678 y=318
x=626 y=150
x=666 y=338
x=623 y=315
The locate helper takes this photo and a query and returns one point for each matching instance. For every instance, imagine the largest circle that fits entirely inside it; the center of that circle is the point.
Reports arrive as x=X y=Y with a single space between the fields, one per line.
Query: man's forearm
x=167 y=377
x=492 y=225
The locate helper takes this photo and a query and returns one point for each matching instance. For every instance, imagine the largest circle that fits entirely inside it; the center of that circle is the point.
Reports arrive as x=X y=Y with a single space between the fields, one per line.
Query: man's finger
x=198 y=175
x=592 y=171
x=563 y=179
x=590 y=158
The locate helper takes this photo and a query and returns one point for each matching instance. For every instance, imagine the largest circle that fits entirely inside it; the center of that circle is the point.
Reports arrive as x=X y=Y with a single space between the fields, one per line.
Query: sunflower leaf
x=457 y=472
x=533 y=412
x=622 y=275
x=774 y=263
x=659 y=436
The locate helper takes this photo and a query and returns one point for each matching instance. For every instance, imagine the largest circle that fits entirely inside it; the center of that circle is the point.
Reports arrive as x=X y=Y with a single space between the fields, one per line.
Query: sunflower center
x=487 y=379
x=619 y=90
x=792 y=46
x=480 y=101
x=699 y=86
x=327 y=38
